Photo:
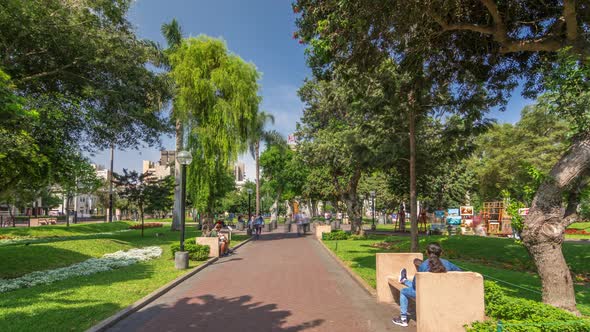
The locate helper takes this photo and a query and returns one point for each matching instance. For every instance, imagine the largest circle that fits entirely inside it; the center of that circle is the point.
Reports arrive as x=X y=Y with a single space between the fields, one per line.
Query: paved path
x=278 y=283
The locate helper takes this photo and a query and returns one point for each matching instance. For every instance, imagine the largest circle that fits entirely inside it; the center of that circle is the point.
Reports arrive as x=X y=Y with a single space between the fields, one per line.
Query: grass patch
x=80 y=302
x=63 y=230
x=495 y=258
x=581 y=225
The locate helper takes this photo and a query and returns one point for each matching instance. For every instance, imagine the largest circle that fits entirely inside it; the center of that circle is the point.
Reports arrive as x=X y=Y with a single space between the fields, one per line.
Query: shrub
x=336 y=235
x=146 y=225
x=519 y=315
x=196 y=252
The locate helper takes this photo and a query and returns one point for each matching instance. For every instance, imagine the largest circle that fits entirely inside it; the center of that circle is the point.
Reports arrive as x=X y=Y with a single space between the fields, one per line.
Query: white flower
x=93 y=265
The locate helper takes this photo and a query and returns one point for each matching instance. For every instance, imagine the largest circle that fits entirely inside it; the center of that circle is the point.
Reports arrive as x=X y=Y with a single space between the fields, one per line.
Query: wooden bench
x=444 y=301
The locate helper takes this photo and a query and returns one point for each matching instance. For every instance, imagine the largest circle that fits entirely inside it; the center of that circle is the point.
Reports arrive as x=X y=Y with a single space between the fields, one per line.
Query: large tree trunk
x=545 y=225
x=177 y=178
x=413 y=198
x=257 y=152
x=353 y=209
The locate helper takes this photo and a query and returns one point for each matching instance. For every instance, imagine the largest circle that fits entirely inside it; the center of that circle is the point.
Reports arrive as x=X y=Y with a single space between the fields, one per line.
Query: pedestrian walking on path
x=258 y=223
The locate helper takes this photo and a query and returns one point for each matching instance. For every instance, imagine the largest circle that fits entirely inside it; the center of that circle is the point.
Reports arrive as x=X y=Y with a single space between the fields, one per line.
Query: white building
x=161 y=168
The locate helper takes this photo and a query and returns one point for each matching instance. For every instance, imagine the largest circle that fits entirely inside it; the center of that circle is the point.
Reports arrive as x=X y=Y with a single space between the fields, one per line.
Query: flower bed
x=146 y=225
x=576 y=231
x=94 y=265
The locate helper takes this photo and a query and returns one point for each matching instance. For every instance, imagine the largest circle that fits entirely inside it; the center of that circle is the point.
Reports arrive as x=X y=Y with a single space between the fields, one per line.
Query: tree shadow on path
x=210 y=313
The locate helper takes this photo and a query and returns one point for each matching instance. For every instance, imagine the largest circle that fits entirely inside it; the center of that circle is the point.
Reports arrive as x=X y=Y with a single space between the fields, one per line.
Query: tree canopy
x=216 y=99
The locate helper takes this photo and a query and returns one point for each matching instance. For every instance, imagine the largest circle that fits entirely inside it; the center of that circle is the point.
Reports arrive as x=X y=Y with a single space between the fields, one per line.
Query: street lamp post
x=362 y=197
x=249 y=230
x=372 y=193
x=181 y=256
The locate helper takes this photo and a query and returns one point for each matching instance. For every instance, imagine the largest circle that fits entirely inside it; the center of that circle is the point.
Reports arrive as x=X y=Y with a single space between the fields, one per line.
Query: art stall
x=453 y=221
x=496 y=220
x=467 y=220
x=438 y=224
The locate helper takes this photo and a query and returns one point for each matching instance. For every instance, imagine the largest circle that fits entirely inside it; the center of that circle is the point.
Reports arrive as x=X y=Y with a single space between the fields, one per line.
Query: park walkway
x=278 y=283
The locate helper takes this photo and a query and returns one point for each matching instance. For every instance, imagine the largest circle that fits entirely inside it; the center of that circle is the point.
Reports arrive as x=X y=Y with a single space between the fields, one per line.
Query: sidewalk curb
x=354 y=276
x=122 y=314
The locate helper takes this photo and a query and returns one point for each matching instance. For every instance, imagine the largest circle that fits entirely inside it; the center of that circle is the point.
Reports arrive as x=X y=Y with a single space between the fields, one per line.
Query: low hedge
x=336 y=235
x=520 y=315
x=196 y=252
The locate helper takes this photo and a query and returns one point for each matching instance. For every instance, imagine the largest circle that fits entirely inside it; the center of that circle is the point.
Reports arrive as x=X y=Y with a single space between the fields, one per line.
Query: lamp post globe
x=184 y=157
x=181 y=257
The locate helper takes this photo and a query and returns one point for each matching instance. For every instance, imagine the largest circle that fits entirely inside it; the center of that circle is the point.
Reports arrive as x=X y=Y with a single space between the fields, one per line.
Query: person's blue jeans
x=404 y=297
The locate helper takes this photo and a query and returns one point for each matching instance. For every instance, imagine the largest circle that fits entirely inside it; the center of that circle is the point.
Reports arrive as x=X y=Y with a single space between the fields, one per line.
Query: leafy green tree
x=82 y=179
x=336 y=134
x=86 y=53
x=136 y=189
x=217 y=99
x=470 y=45
x=160 y=196
x=283 y=173
x=258 y=133
x=379 y=182
x=508 y=156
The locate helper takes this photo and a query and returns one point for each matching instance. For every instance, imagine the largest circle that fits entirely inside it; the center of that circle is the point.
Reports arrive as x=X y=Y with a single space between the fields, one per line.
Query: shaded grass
x=78 y=303
x=495 y=258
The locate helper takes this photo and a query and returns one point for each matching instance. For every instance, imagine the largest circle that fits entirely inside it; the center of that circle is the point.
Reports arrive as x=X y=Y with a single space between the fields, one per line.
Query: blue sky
x=260 y=31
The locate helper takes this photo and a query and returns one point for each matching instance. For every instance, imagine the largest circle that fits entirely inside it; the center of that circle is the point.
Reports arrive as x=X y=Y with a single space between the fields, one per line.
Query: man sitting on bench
x=433 y=264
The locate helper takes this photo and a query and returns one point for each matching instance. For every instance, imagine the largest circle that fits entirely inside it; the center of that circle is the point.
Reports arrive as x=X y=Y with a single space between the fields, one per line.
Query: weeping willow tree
x=217 y=100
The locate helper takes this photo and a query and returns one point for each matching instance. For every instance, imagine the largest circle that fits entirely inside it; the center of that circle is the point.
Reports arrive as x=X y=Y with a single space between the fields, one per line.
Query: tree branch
x=571 y=23
x=547 y=44
x=46 y=73
x=466 y=27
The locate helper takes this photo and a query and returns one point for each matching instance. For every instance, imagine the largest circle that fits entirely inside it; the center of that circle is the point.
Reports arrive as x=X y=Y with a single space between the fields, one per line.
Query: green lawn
x=78 y=303
x=62 y=230
x=581 y=225
x=495 y=258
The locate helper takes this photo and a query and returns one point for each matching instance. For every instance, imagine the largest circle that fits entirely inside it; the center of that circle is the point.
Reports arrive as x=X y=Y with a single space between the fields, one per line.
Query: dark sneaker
x=400 y=321
x=403 y=275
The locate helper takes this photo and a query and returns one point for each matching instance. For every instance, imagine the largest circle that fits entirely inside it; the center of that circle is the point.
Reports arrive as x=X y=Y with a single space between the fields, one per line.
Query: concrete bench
x=212 y=242
x=444 y=301
x=321 y=229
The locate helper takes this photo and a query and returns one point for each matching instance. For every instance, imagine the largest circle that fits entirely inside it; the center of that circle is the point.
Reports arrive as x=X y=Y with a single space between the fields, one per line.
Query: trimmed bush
x=336 y=235
x=520 y=315
x=196 y=252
